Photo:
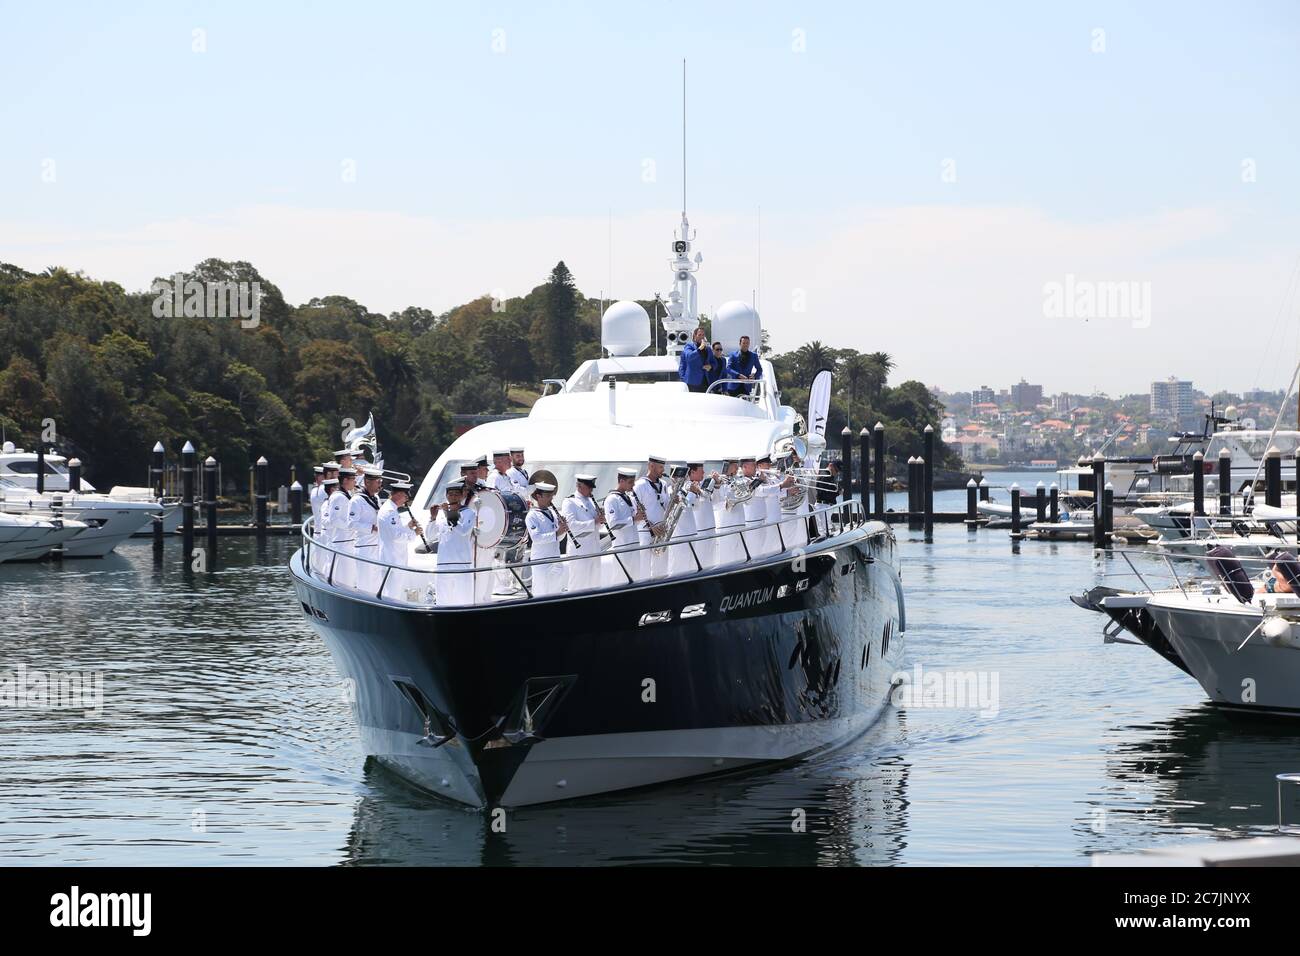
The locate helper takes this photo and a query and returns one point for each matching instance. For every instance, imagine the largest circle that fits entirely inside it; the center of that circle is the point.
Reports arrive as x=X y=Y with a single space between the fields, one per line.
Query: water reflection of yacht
x=1201 y=769
x=854 y=816
x=770 y=656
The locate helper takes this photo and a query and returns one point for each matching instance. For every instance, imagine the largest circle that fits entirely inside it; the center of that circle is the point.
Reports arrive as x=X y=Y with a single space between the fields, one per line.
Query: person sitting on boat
x=652 y=491
x=743 y=366
x=517 y=470
x=363 y=518
x=341 y=533
x=546 y=527
x=398 y=529
x=452 y=531
x=695 y=363
x=1284 y=574
x=623 y=513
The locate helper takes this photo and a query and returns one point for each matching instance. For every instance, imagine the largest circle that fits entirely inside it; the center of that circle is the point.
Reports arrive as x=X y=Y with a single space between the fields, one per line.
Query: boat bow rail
x=835 y=521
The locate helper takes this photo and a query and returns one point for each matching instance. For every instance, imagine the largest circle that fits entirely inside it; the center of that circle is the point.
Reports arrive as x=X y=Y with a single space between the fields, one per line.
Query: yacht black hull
x=557 y=698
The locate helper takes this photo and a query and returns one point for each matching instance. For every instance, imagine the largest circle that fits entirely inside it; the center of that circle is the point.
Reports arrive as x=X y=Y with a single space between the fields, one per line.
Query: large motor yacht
x=523 y=698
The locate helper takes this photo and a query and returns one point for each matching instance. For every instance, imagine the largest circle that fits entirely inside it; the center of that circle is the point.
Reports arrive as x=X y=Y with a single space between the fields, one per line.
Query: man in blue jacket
x=743 y=366
x=696 y=363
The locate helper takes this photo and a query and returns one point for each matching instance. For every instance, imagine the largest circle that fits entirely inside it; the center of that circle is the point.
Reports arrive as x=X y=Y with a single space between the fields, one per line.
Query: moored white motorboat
x=19 y=467
x=108 y=522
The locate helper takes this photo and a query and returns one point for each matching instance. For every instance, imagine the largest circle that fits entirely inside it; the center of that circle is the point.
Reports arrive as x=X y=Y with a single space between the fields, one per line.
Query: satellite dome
x=625 y=329
x=734 y=319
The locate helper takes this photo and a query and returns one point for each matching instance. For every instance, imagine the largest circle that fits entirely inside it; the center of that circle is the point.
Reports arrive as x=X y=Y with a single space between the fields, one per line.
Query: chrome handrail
x=851 y=513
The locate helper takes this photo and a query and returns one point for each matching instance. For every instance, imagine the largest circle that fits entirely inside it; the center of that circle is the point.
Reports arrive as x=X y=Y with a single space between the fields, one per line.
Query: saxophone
x=677 y=504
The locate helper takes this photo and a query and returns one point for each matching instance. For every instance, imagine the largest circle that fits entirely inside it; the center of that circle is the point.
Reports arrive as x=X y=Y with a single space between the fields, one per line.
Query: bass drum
x=500 y=519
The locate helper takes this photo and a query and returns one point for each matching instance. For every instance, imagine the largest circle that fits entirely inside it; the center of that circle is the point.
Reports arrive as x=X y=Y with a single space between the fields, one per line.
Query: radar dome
x=734 y=319
x=1230 y=411
x=625 y=329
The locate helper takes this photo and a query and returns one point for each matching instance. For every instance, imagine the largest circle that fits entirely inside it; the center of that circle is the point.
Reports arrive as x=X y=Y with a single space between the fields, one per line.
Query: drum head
x=491 y=519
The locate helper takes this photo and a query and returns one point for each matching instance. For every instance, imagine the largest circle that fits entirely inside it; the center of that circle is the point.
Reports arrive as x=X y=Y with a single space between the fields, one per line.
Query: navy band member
x=704 y=487
x=314 y=496
x=772 y=492
x=452 y=530
x=363 y=518
x=502 y=479
x=321 y=559
x=398 y=530
x=517 y=470
x=652 y=491
x=584 y=518
x=729 y=515
x=622 y=515
x=545 y=528
x=341 y=533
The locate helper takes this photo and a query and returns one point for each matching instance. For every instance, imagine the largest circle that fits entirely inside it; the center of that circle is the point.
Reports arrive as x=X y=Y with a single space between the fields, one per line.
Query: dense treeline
x=115 y=376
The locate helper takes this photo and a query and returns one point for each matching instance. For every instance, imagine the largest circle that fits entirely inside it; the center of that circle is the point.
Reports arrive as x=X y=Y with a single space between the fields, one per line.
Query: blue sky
x=489 y=140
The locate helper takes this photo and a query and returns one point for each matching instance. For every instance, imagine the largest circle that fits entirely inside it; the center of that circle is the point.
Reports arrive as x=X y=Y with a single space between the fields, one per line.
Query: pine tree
x=559 y=323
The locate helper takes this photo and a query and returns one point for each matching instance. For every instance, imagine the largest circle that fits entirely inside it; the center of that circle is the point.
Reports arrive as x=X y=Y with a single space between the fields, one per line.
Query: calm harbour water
x=225 y=736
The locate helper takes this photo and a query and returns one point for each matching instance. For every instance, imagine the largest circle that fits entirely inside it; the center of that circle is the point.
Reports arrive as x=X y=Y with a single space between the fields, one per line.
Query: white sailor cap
x=748 y=458
x=331 y=466
x=344 y=451
x=481 y=461
x=498 y=453
x=319 y=469
x=517 y=448
x=658 y=459
x=730 y=459
x=399 y=486
x=370 y=471
x=457 y=484
x=331 y=481
x=347 y=472
x=764 y=458
x=544 y=486
x=627 y=472
x=586 y=479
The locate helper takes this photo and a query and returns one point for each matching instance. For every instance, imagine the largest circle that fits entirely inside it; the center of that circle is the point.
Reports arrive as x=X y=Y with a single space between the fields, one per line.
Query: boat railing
x=831 y=520
x=1187 y=579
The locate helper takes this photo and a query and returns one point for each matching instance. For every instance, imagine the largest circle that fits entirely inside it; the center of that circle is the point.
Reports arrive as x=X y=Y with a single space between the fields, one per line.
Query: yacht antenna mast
x=682 y=310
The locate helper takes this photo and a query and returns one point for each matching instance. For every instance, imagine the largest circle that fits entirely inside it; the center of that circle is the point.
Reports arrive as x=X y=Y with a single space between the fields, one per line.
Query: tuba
x=677 y=504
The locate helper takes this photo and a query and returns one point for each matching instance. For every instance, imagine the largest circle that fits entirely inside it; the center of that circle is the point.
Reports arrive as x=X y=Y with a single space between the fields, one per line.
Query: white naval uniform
x=795 y=528
x=341 y=536
x=653 y=496
x=363 y=517
x=507 y=484
x=772 y=493
x=730 y=517
x=455 y=551
x=395 y=539
x=679 y=555
x=320 y=558
x=620 y=507
x=519 y=476
x=316 y=497
x=756 y=536
x=706 y=551
x=579 y=512
x=543 y=531
x=484 y=581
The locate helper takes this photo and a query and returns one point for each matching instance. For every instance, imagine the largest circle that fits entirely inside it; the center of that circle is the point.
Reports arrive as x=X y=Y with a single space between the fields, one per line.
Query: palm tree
x=880 y=364
x=811 y=359
x=857 y=370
